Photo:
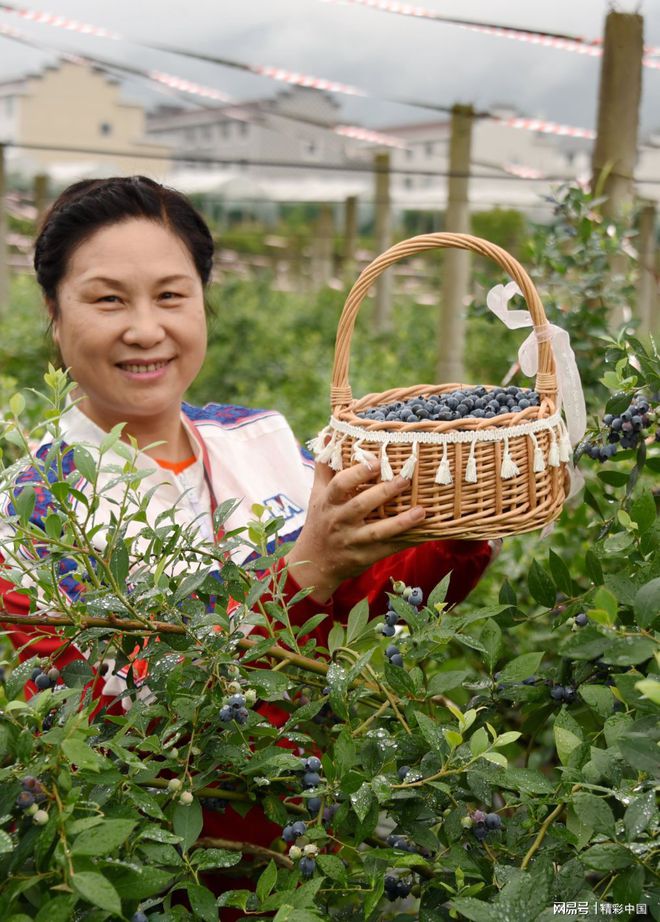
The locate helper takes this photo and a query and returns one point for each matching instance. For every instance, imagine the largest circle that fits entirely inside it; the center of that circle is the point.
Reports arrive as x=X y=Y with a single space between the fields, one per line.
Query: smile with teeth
x=141 y=368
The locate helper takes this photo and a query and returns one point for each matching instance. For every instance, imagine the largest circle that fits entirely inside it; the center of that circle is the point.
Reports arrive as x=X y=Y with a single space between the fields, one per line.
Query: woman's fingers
x=343 y=485
x=365 y=502
x=390 y=528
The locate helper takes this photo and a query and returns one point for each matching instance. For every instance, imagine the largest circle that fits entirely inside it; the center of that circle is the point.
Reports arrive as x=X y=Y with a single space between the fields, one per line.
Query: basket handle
x=341 y=394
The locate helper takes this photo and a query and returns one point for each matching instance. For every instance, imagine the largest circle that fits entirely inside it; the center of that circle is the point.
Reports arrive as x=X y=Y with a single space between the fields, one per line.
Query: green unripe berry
x=234 y=688
x=466 y=822
x=250 y=697
x=295 y=852
x=174 y=784
x=310 y=851
x=40 y=818
x=186 y=799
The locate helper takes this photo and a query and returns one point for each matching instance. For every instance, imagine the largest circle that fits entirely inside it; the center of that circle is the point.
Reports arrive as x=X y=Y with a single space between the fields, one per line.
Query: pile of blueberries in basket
x=466 y=403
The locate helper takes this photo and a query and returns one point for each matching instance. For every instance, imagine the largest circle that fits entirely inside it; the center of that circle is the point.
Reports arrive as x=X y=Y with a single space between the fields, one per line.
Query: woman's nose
x=144 y=327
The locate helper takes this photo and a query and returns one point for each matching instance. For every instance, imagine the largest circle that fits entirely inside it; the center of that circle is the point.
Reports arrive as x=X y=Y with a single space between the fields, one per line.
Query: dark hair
x=87 y=206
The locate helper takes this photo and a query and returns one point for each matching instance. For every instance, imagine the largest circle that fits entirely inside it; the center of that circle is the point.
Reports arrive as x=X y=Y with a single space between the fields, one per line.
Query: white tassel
x=553 y=456
x=443 y=474
x=565 y=450
x=539 y=460
x=336 y=461
x=386 y=472
x=471 y=466
x=325 y=453
x=509 y=466
x=317 y=444
x=408 y=468
x=360 y=455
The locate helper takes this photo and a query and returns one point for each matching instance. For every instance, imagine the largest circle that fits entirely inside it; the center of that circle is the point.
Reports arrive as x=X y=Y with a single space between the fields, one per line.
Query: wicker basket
x=476 y=478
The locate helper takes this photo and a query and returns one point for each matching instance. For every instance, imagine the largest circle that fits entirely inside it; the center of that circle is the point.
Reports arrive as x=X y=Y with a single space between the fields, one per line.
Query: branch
x=248 y=848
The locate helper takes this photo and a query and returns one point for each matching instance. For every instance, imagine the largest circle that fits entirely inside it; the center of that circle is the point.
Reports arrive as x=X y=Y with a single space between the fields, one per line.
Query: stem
x=247 y=847
x=538 y=841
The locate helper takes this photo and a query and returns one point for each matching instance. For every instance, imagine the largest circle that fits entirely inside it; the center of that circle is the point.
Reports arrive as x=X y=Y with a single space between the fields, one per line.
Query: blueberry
x=241 y=715
x=42 y=682
x=313 y=764
x=288 y=834
x=403 y=888
x=416 y=596
x=236 y=701
x=311 y=779
x=388 y=630
x=569 y=694
x=314 y=805
x=139 y=917
x=530 y=680
x=29 y=783
x=391 y=618
x=581 y=619
x=396 y=660
x=403 y=771
x=391 y=650
x=36 y=673
x=493 y=821
x=307 y=867
x=557 y=692
x=480 y=832
x=226 y=714
x=299 y=828
x=24 y=800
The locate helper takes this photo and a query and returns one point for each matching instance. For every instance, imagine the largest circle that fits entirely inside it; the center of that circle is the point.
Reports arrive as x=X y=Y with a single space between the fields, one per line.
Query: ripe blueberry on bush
x=139 y=917
x=493 y=821
x=626 y=430
x=314 y=805
x=394 y=656
x=307 y=867
x=24 y=800
x=581 y=619
x=311 y=779
x=416 y=596
x=402 y=772
x=395 y=888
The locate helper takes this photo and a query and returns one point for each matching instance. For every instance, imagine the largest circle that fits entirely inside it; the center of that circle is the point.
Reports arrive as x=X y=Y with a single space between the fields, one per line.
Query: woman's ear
x=51 y=307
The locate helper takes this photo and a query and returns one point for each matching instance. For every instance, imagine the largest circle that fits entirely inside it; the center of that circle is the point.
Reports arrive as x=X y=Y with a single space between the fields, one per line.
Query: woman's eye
x=109 y=299
x=169 y=296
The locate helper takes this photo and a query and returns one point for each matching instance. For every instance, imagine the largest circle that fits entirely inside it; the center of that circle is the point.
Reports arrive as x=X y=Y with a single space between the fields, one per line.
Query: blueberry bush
x=497 y=760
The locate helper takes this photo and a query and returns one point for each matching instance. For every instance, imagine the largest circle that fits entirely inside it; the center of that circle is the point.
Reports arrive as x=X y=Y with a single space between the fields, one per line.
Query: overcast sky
x=389 y=56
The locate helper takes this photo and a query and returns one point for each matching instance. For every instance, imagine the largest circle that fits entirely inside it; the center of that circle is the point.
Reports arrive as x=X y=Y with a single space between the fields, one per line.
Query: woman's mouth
x=144 y=369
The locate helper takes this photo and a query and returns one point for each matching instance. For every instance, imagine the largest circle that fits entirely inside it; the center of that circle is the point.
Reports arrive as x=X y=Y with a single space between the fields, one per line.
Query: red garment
x=424 y=566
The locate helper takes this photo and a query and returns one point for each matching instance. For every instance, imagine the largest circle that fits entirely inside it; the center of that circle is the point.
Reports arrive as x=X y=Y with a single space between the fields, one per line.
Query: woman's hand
x=336 y=542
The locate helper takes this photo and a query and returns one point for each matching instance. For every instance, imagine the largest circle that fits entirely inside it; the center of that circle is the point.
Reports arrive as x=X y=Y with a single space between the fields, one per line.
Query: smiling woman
x=123 y=264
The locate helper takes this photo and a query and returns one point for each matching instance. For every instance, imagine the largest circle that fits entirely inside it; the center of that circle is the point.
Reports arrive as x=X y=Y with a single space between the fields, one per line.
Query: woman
x=123 y=264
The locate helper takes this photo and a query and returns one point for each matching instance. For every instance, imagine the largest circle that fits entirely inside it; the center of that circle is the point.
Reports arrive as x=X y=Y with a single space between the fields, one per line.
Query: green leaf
x=332 y=867
x=438 y=594
x=647 y=603
x=607 y=857
x=102 y=839
x=628 y=651
x=649 y=688
x=202 y=903
x=525 y=780
x=599 y=698
x=640 y=752
x=560 y=573
x=443 y=682
x=594 y=569
x=336 y=637
x=491 y=638
x=505 y=739
x=498 y=758
x=587 y=643
x=639 y=814
x=399 y=680
x=473 y=909
x=97 y=890
x=521 y=667
x=119 y=564
x=594 y=812
x=541 y=587
x=59 y=909
x=24 y=503
x=80 y=753
x=565 y=742
x=6 y=844
x=479 y=742
x=613 y=478
x=84 y=463
x=187 y=822
x=606 y=600
x=643 y=511
x=357 y=621
x=77 y=673
x=205 y=858
x=267 y=881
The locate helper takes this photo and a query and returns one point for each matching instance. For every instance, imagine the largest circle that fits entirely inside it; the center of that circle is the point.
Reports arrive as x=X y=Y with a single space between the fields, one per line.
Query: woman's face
x=131 y=324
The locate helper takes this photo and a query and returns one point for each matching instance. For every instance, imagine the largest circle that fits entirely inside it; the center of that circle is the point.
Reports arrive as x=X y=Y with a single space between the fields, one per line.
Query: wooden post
x=40 y=193
x=350 y=239
x=647 y=284
x=322 y=248
x=383 y=239
x=4 y=253
x=456 y=268
x=615 y=148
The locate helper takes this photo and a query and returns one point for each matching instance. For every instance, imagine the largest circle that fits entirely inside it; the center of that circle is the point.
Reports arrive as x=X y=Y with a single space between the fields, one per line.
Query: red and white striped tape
x=371 y=137
x=60 y=22
x=538 y=124
x=315 y=83
x=187 y=86
x=593 y=48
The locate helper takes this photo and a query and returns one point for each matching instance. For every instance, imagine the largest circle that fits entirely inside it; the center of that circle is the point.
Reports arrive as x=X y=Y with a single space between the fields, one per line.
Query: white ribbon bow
x=569 y=386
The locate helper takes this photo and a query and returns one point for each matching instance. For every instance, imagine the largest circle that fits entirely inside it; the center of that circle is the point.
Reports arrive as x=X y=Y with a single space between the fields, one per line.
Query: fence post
x=40 y=193
x=4 y=253
x=322 y=248
x=350 y=239
x=615 y=149
x=647 y=284
x=456 y=267
x=383 y=235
